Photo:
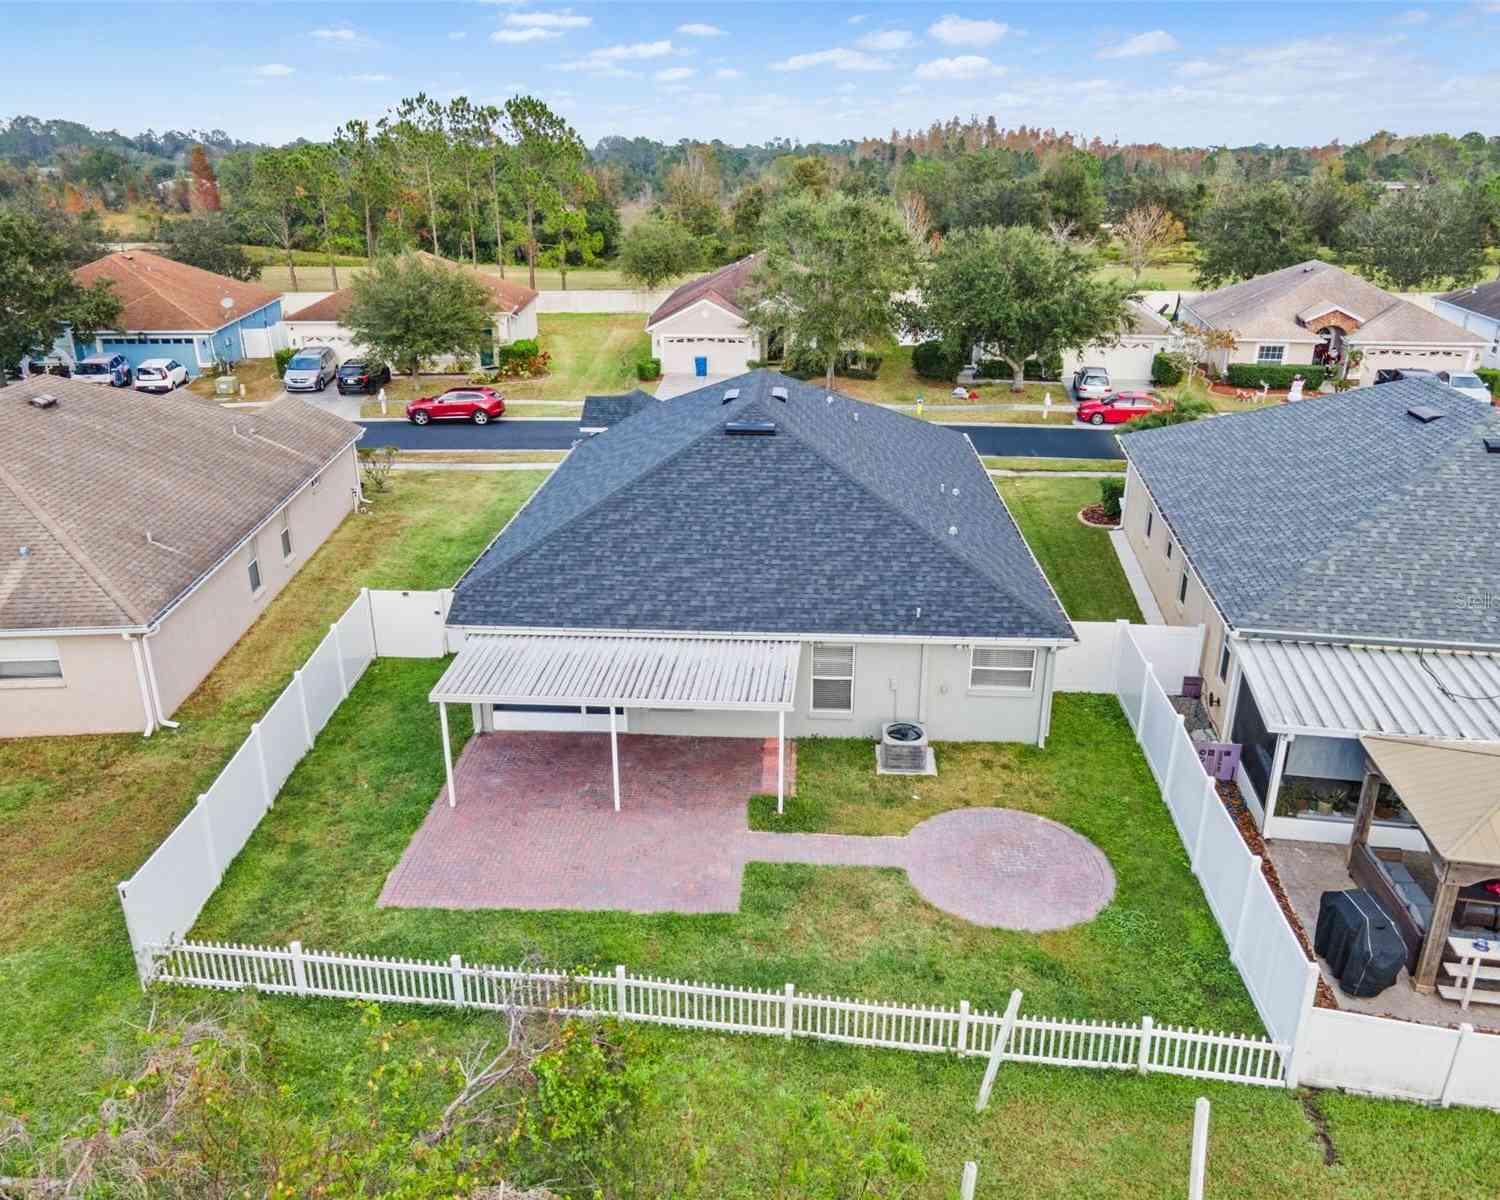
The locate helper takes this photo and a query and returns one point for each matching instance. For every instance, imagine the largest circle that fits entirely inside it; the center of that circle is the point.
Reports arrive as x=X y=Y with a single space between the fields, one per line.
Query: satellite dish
x=227 y=303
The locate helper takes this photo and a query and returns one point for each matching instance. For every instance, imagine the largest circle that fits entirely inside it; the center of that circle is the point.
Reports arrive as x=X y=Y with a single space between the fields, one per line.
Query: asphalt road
x=1036 y=440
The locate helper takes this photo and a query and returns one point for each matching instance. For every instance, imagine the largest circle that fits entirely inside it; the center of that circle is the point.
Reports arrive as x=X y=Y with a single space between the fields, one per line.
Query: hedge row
x=1491 y=377
x=1274 y=375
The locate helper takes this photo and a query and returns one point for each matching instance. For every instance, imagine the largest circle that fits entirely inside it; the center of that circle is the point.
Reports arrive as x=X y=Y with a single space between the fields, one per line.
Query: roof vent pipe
x=1492 y=445
x=731 y=394
x=44 y=400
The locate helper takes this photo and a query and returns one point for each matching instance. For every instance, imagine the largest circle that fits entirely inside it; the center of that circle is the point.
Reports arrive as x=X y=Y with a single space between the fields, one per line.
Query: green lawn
x=897 y=383
x=313 y=274
x=1001 y=462
x=1077 y=558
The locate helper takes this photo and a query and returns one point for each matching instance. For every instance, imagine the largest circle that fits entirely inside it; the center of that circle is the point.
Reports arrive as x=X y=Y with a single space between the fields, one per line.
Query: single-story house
x=1476 y=309
x=1128 y=361
x=1341 y=554
x=172 y=310
x=139 y=541
x=600 y=412
x=760 y=558
x=1314 y=312
x=321 y=323
x=700 y=329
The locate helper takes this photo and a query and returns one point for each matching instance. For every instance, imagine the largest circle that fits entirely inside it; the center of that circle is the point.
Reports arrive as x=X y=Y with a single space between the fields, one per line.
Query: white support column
x=1273 y=785
x=780 y=759
x=447 y=751
x=614 y=754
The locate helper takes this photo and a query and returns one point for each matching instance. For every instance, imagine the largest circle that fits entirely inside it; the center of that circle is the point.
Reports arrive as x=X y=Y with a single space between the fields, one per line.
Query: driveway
x=535 y=828
x=329 y=400
x=677 y=384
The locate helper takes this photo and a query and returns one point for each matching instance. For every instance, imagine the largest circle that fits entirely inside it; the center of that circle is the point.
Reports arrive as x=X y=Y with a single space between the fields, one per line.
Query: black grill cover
x=1359 y=942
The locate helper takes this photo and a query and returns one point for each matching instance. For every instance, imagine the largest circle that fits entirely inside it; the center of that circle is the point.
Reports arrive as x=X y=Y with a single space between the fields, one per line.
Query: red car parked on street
x=478 y=404
x=1118 y=408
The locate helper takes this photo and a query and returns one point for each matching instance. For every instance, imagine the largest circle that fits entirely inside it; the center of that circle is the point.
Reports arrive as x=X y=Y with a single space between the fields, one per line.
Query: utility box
x=226 y=385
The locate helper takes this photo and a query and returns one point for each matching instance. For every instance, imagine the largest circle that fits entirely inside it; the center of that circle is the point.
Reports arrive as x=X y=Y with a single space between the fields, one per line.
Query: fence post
x=1143 y=1061
x=620 y=991
x=302 y=700
x=145 y=961
x=1299 y=1038
x=971 y=1177
x=997 y=1051
x=1210 y=797
x=1199 y=1155
x=1122 y=635
x=260 y=757
x=790 y=1003
x=206 y=822
x=299 y=969
x=1445 y=1098
x=1172 y=754
x=1146 y=681
x=963 y=1027
x=370 y=612
x=1239 y=925
x=338 y=657
x=456 y=977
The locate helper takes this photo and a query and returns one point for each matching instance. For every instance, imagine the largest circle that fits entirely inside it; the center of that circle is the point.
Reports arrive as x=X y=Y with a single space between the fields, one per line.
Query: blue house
x=172 y=310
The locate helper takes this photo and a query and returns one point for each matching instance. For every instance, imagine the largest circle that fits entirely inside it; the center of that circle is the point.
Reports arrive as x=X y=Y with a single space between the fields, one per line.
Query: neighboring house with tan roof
x=139 y=540
x=1315 y=312
x=172 y=310
x=700 y=329
x=321 y=323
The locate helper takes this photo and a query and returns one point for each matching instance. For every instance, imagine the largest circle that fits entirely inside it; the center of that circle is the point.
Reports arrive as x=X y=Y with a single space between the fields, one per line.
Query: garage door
x=1380 y=359
x=1129 y=362
x=725 y=356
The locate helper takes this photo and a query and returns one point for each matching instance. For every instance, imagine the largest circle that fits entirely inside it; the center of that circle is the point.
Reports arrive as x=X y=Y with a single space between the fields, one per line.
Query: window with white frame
x=284 y=521
x=29 y=660
x=1224 y=660
x=255 y=580
x=1270 y=354
x=1002 y=668
x=833 y=677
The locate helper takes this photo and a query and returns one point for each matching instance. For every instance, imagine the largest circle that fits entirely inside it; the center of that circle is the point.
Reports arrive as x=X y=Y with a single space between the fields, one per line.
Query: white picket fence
x=787 y=1013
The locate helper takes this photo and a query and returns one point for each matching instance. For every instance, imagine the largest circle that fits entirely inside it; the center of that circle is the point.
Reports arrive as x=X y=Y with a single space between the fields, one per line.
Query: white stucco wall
x=708 y=331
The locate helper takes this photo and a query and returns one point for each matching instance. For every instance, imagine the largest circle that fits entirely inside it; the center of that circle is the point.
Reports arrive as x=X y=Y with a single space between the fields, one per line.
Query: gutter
x=140 y=678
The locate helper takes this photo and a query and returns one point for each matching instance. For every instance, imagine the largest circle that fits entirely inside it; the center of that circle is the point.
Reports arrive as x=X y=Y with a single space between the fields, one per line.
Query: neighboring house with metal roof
x=1476 y=309
x=701 y=328
x=756 y=557
x=139 y=538
x=172 y=310
x=600 y=412
x=1341 y=553
x=1315 y=312
x=321 y=322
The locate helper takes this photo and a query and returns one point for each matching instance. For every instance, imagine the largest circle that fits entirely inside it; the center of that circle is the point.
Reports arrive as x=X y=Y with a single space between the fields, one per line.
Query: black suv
x=1392 y=374
x=361 y=375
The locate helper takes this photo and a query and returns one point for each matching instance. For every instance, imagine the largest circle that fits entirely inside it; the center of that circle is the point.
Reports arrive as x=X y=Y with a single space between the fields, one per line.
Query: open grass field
x=313 y=274
x=1078 y=559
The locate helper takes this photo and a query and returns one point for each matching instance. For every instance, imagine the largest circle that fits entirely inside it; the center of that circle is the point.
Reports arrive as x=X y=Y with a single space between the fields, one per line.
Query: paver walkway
x=535 y=828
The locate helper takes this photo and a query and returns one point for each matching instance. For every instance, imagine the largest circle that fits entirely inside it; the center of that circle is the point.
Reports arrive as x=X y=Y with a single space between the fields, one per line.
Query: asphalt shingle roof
x=1483 y=299
x=510 y=297
x=839 y=523
x=723 y=287
x=600 y=412
x=1340 y=516
x=159 y=293
x=83 y=483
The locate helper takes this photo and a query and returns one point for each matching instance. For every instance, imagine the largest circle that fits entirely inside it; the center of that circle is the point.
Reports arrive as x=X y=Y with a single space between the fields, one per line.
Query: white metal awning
x=634 y=672
x=1344 y=691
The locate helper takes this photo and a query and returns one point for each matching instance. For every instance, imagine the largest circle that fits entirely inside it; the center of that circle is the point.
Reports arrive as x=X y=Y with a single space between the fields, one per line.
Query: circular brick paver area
x=1006 y=869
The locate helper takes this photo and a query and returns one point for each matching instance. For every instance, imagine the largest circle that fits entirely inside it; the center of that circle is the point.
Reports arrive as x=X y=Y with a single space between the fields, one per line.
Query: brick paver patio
x=535 y=828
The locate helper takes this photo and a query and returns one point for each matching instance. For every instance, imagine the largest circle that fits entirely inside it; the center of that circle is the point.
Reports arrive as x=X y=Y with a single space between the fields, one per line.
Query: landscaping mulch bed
x=1094 y=514
x=1229 y=793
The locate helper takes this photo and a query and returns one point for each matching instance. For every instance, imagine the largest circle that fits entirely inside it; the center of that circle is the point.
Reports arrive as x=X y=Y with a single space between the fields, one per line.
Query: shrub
x=521 y=359
x=1164 y=371
x=1491 y=377
x=1185 y=408
x=1111 y=492
x=648 y=369
x=935 y=360
x=1274 y=375
x=283 y=357
x=1034 y=369
x=858 y=364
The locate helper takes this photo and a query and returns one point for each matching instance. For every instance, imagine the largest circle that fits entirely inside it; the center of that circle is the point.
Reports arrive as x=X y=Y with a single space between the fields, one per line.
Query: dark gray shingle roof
x=1483 y=299
x=1340 y=516
x=600 y=412
x=838 y=524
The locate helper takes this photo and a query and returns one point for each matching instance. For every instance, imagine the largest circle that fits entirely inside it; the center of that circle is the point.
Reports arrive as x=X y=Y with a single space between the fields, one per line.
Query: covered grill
x=1359 y=942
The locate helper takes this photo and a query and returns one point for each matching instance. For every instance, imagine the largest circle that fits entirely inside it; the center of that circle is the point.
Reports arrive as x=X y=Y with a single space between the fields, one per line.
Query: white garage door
x=1383 y=358
x=1127 y=363
x=725 y=355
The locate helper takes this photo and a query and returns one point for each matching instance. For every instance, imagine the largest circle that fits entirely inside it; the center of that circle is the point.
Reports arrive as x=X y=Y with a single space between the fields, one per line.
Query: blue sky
x=1201 y=73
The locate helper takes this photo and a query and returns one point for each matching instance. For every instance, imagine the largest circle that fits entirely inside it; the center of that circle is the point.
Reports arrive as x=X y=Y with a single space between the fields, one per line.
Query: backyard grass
x=313 y=274
x=1078 y=559
x=1000 y=462
x=258 y=375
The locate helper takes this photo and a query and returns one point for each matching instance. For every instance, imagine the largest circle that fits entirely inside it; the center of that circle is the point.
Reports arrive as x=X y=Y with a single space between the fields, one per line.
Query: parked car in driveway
x=1118 y=407
x=1090 y=383
x=362 y=375
x=1468 y=383
x=311 y=370
x=160 y=375
x=478 y=404
x=113 y=369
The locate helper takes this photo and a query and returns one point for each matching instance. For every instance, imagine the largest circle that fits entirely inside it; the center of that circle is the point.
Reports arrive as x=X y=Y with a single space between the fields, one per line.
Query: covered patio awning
x=748 y=674
x=1332 y=690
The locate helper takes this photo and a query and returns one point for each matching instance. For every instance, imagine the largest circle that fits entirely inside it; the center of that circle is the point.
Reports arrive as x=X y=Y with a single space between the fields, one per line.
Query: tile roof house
x=138 y=540
x=865 y=553
x=700 y=329
x=321 y=322
x=1476 y=309
x=172 y=310
x=1314 y=311
x=1341 y=553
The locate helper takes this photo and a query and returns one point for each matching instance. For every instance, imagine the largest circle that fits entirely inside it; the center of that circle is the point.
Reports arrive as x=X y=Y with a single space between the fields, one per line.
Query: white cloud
x=341 y=34
x=457 y=35
x=1413 y=16
x=368 y=77
x=727 y=73
x=697 y=29
x=954 y=30
x=632 y=50
x=673 y=74
x=515 y=36
x=886 y=39
x=274 y=70
x=1197 y=68
x=859 y=18
x=566 y=19
x=840 y=59
x=1158 y=41
x=965 y=66
x=908 y=89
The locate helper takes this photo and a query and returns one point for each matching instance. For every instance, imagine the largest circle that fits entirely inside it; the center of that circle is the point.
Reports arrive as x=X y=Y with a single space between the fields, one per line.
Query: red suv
x=478 y=404
x=1118 y=407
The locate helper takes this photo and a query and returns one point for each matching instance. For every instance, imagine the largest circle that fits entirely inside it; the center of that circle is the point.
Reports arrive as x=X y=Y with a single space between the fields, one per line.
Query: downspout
x=140 y=678
x=161 y=712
